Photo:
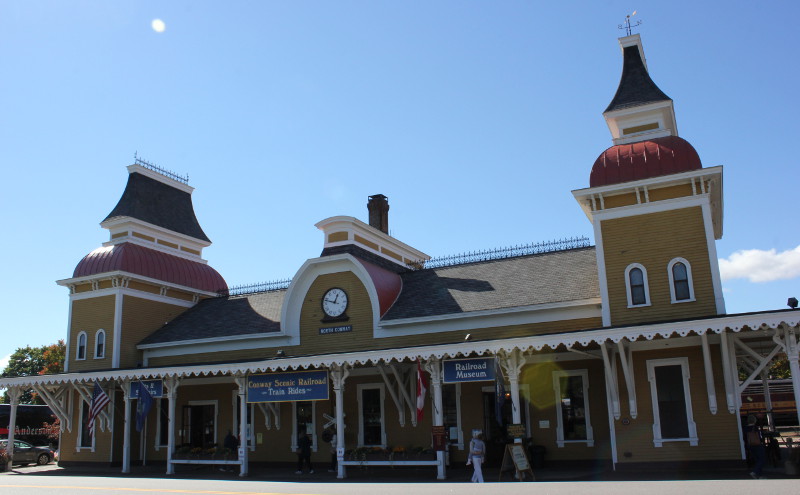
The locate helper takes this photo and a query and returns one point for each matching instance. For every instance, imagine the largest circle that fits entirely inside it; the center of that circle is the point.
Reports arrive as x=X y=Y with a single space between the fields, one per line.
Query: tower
x=149 y=271
x=656 y=211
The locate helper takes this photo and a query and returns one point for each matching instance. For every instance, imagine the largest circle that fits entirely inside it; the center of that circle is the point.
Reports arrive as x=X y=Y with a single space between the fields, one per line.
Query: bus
x=35 y=424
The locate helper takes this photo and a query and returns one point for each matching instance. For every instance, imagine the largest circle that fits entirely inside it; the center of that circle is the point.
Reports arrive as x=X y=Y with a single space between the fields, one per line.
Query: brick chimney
x=378 y=207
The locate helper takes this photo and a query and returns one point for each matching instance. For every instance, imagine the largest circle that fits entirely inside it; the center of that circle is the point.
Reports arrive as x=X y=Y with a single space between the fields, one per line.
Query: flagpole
x=144 y=443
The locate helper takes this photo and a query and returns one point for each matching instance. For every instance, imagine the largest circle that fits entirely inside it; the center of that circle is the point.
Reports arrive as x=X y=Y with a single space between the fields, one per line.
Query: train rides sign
x=288 y=386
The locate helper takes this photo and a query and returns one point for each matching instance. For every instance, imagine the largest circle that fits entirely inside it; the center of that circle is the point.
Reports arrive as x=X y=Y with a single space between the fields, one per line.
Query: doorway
x=199 y=425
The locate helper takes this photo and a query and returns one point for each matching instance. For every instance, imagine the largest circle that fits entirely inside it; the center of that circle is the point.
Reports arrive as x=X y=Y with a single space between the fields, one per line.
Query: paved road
x=27 y=481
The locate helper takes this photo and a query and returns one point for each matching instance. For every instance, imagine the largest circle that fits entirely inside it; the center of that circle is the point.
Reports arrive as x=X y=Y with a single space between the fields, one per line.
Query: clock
x=334 y=302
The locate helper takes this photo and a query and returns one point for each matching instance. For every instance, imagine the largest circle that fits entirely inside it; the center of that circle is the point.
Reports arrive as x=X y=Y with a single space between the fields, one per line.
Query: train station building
x=620 y=353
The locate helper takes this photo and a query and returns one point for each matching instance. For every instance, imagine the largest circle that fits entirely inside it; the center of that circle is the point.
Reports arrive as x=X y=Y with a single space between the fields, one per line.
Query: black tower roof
x=155 y=202
x=635 y=86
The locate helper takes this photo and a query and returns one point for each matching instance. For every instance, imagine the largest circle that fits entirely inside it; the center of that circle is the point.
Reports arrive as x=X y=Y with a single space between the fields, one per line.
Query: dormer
x=342 y=232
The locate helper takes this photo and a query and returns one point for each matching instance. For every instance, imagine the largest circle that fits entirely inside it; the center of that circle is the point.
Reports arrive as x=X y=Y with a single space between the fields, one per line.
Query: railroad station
x=619 y=353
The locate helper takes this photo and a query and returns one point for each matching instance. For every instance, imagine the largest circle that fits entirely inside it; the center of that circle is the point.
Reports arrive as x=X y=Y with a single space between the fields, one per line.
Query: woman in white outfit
x=477 y=452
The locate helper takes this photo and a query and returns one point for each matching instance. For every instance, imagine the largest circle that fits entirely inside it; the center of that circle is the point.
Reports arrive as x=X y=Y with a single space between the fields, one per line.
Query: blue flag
x=143 y=405
x=499 y=394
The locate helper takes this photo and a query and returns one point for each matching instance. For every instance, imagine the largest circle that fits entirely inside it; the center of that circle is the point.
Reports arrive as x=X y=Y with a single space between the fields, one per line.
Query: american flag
x=99 y=401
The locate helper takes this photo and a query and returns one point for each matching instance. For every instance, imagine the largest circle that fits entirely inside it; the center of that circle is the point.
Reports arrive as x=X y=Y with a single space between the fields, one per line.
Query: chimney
x=378 y=207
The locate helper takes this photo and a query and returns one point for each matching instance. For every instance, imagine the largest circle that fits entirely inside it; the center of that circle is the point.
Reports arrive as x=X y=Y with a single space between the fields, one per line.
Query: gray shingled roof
x=554 y=277
x=154 y=202
x=224 y=317
x=635 y=86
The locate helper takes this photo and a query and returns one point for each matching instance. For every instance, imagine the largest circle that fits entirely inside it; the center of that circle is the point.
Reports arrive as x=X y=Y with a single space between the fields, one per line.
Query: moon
x=158 y=25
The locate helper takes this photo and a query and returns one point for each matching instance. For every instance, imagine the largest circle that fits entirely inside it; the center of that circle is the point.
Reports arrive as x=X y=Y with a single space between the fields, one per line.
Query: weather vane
x=627 y=26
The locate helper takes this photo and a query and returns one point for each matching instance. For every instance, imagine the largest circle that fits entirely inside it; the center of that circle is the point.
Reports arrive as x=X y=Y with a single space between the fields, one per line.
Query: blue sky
x=476 y=119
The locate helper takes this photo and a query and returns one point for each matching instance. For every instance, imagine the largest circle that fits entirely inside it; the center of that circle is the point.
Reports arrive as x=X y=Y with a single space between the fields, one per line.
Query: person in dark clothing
x=231 y=443
x=304 y=452
x=755 y=446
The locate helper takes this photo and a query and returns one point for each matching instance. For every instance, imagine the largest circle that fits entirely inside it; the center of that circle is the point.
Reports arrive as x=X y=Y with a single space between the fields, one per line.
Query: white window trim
x=78 y=346
x=584 y=374
x=214 y=403
x=628 y=286
x=97 y=335
x=651 y=377
x=672 y=280
x=458 y=442
x=367 y=386
x=159 y=406
x=78 y=446
x=313 y=426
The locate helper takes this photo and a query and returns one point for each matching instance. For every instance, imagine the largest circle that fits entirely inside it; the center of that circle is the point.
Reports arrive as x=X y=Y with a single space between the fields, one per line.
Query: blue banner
x=288 y=386
x=155 y=387
x=468 y=370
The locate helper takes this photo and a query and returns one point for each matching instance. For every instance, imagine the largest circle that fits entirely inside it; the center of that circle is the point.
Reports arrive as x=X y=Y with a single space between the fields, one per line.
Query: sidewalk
x=455 y=474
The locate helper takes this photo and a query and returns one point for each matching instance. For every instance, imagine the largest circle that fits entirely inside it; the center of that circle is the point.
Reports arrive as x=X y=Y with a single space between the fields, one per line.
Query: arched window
x=680 y=280
x=636 y=284
x=100 y=344
x=80 y=351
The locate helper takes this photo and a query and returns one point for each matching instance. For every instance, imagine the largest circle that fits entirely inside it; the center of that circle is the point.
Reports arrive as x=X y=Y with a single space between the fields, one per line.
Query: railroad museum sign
x=286 y=387
x=468 y=370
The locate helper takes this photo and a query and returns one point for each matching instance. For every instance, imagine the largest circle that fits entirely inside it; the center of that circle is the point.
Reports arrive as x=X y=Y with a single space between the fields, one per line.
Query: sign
x=516 y=430
x=468 y=370
x=515 y=459
x=519 y=457
x=330 y=330
x=439 y=438
x=155 y=387
x=288 y=386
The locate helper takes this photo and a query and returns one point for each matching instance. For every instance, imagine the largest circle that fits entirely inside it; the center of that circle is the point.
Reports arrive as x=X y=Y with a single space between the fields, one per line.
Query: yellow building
x=619 y=353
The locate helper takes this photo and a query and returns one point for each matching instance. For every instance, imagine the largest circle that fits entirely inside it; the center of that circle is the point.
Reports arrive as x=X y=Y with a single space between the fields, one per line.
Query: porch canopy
x=777 y=328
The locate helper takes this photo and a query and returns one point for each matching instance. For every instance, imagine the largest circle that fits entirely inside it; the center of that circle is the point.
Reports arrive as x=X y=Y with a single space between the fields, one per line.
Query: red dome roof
x=150 y=263
x=642 y=160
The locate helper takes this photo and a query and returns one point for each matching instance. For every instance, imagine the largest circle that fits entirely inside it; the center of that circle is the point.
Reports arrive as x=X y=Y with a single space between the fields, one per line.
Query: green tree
x=28 y=361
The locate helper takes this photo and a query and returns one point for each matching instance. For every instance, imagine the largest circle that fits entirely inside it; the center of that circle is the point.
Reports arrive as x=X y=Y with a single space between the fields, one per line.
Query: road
x=32 y=483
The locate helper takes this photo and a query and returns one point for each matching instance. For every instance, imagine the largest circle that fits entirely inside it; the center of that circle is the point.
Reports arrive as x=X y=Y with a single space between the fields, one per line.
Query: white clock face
x=334 y=302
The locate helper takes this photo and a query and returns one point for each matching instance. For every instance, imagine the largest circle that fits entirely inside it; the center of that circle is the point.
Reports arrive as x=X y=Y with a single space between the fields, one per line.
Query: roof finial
x=627 y=26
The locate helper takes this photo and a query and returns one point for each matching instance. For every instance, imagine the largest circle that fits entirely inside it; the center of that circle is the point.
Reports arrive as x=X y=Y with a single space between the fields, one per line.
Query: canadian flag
x=422 y=389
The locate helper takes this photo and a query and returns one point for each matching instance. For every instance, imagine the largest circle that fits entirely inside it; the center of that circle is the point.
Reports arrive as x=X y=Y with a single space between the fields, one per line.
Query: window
x=572 y=407
x=680 y=281
x=451 y=400
x=84 y=439
x=636 y=284
x=304 y=412
x=251 y=438
x=199 y=425
x=100 y=344
x=80 y=351
x=370 y=416
x=672 y=405
x=162 y=435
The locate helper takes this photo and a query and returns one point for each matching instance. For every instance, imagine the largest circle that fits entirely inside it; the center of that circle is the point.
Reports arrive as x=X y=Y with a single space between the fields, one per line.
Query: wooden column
x=13 y=395
x=241 y=381
x=172 y=394
x=339 y=374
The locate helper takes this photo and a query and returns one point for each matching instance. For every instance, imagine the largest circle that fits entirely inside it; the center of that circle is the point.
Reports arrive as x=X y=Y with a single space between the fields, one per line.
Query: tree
x=28 y=361
x=53 y=356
